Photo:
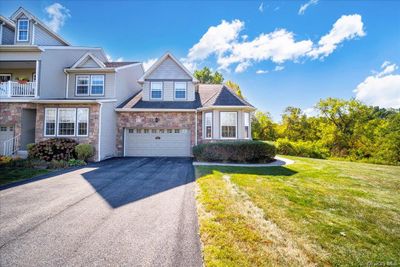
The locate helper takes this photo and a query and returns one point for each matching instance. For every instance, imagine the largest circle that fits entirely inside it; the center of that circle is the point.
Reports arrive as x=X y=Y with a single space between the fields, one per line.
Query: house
x=50 y=89
x=173 y=112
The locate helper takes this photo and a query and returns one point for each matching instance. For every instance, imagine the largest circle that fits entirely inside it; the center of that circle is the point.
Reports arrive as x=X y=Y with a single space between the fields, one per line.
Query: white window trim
x=181 y=90
x=89 y=93
x=58 y=121
x=87 y=121
x=6 y=75
x=27 y=31
x=205 y=125
x=45 y=122
x=220 y=125
x=151 y=90
x=244 y=125
x=91 y=84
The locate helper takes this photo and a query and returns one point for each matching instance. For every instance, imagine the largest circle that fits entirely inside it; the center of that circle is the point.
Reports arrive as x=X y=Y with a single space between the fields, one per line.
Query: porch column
x=37 y=79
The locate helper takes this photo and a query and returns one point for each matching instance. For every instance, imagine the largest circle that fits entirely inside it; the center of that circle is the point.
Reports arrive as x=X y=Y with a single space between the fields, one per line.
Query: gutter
x=153 y=110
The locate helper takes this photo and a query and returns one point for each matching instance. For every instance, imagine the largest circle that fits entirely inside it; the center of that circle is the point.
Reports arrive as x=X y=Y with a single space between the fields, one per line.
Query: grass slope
x=314 y=212
x=14 y=174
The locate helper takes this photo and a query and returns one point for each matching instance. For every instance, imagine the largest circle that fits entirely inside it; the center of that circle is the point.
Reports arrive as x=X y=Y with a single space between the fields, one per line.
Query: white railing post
x=37 y=79
x=9 y=89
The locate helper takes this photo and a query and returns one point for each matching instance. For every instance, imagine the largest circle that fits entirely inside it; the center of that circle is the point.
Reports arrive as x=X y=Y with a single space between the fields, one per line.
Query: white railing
x=17 y=89
x=11 y=146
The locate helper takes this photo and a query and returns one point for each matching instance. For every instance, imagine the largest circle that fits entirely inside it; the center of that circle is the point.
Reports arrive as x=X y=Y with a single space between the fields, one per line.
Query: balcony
x=17 y=89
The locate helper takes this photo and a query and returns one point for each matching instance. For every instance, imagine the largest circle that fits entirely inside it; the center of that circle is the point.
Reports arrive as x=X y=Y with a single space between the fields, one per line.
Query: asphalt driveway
x=123 y=211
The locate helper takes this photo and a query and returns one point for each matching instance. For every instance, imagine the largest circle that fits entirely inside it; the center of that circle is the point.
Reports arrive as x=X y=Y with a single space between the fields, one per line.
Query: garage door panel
x=164 y=143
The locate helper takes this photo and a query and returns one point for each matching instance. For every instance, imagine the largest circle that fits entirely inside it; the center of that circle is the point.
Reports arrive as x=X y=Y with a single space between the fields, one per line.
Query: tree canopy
x=205 y=75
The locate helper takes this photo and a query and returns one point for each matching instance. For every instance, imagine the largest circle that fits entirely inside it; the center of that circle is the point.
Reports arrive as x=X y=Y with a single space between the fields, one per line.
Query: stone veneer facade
x=173 y=120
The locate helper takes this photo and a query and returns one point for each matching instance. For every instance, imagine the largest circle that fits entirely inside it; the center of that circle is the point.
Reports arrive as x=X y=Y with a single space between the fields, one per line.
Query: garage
x=157 y=142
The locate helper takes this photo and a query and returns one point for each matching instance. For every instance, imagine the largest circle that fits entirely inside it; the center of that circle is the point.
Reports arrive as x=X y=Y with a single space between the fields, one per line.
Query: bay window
x=180 y=90
x=228 y=125
x=156 y=90
x=89 y=85
x=23 y=30
x=50 y=116
x=208 y=125
x=246 y=122
x=66 y=121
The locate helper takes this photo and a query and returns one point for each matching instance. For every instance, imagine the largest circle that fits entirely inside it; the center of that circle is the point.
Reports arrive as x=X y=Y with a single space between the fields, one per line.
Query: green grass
x=320 y=212
x=14 y=174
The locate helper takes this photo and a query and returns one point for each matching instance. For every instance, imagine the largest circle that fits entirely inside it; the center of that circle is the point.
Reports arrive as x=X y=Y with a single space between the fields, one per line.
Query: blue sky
x=306 y=56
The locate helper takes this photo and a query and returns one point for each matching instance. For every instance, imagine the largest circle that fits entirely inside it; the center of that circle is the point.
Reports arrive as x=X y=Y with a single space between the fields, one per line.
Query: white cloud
x=307 y=5
x=311 y=112
x=261 y=7
x=57 y=14
x=148 y=63
x=262 y=71
x=345 y=28
x=279 y=68
x=230 y=47
x=110 y=59
x=381 y=89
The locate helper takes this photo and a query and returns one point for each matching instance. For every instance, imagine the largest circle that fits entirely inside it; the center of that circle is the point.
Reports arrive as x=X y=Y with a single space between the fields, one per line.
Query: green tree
x=294 y=124
x=234 y=86
x=205 y=75
x=263 y=128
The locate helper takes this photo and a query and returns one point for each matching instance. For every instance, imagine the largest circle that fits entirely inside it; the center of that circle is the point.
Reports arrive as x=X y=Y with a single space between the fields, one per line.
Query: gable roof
x=7 y=21
x=219 y=95
x=31 y=16
x=161 y=60
x=85 y=57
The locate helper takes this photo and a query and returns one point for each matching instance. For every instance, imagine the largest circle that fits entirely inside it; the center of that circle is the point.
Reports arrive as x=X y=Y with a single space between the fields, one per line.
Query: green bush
x=76 y=162
x=235 y=151
x=54 y=148
x=84 y=151
x=30 y=147
x=302 y=149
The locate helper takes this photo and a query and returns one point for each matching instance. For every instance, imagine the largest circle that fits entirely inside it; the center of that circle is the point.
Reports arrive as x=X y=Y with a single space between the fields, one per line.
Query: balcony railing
x=17 y=89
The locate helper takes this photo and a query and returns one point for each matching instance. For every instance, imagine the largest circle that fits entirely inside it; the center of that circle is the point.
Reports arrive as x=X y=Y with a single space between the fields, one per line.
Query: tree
x=205 y=75
x=235 y=87
x=263 y=128
x=294 y=124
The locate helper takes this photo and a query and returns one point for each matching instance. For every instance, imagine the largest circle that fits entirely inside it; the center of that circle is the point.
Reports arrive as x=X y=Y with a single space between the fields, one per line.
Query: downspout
x=195 y=128
x=99 y=147
x=67 y=85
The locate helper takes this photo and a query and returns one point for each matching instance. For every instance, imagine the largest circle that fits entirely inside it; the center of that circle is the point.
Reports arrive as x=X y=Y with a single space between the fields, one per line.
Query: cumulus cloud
x=381 y=89
x=230 y=47
x=304 y=7
x=148 y=63
x=110 y=59
x=262 y=71
x=57 y=14
x=311 y=112
x=345 y=28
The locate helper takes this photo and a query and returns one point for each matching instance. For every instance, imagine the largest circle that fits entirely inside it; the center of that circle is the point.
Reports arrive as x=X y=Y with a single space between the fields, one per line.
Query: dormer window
x=89 y=85
x=23 y=30
x=156 y=90
x=180 y=90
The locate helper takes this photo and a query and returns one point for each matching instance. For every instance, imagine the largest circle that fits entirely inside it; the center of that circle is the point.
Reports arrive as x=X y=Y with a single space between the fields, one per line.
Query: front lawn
x=14 y=174
x=313 y=212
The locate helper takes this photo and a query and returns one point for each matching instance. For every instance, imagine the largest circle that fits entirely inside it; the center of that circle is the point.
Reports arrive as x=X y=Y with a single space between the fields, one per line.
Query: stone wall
x=156 y=120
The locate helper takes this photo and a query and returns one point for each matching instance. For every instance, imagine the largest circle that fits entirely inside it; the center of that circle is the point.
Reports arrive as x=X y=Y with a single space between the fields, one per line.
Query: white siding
x=168 y=91
x=42 y=37
x=108 y=131
x=7 y=36
x=168 y=70
x=126 y=82
x=109 y=83
x=89 y=63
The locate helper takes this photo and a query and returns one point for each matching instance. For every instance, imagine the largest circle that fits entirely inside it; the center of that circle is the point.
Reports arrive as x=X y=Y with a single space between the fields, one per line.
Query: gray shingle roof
x=208 y=95
x=118 y=64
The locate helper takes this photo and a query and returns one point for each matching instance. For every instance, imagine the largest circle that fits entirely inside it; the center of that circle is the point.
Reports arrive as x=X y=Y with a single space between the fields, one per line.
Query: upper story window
x=180 y=90
x=89 y=85
x=208 y=125
x=228 y=125
x=23 y=30
x=156 y=90
x=246 y=122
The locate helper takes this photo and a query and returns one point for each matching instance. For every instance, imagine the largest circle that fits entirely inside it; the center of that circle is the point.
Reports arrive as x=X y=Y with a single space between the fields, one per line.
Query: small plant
x=84 y=151
x=22 y=80
x=5 y=160
x=76 y=162
x=58 y=164
x=54 y=148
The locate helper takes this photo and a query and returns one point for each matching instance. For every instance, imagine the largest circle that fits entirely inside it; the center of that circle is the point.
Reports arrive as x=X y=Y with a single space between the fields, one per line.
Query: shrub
x=54 y=148
x=30 y=147
x=76 y=162
x=235 y=151
x=5 y=160
x=84 y=151
x=302 y=148
x=58 y=164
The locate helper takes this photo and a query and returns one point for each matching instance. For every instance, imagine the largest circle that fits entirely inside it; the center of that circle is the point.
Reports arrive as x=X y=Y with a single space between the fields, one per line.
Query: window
x=169 y=130
x=66 y=121
x=156 y=90
x=23 y=30
x=5 y=77
x=208 y=125
x=82 y=85
x=180 y=90
x=97 y=85
x=246 y=122
x=146 y=131
x=3 y=129
x=50 y=115
x=176 y=130
x=153 y=131
x=131 y=131
x=82 y=118
x=228 y=125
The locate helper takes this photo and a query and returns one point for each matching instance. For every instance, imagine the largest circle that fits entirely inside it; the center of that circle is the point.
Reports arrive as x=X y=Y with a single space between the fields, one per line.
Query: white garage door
x=157 y=142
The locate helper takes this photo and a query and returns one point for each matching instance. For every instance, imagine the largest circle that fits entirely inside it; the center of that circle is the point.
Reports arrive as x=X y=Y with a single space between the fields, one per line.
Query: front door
x=28 y=127
x=6 y=133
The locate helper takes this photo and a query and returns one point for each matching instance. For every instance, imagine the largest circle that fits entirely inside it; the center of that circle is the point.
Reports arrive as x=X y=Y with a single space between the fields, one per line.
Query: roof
x=7 y=21
x=119 y=64
x=208 y=95
x=161 y=60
